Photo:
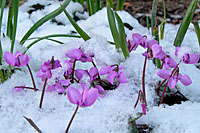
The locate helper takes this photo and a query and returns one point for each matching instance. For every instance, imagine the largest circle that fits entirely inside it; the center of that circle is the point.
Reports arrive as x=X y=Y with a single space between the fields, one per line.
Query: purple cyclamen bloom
x=169 y=63
x=69 y=69
x=17 y=60
x=112 y=74
x=156 y=50
x=82 y=97
x=185 y=54
x=93 y=73
x=190 y=58
x=166 y=74
x=45 y=69
x=78 y=54
x=151 y=42
x=59 y=87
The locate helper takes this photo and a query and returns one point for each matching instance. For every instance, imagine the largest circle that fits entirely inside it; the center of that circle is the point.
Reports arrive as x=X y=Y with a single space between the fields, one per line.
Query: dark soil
x=175 y=10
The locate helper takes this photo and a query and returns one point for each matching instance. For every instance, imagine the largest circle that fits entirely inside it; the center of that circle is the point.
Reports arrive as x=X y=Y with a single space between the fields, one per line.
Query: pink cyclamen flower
x=185 y=54
x=78 y=54
x=169 y=63
x=82 y=97
x=45 y=69
x=17 y=60
x=173 y=79
x=112 y=74
x=59 y=87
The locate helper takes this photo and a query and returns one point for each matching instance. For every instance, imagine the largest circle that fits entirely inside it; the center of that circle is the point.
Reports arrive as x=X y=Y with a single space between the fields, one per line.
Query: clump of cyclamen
x=154 y=50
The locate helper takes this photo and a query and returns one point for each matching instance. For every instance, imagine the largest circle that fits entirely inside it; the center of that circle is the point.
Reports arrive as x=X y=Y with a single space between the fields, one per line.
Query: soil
x=175 y=10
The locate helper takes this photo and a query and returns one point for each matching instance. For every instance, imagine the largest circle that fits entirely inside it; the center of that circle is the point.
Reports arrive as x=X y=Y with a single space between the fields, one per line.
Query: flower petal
x=59 y=88
x=23 y=60
x=105 y=70
x=164 y=73
x=79 y=73
x=172 y=82
x=185 y=80
x=74 y=95
x=190 y=58
x=92 y=96
x=75 y=54
x=122 y=78
x=111 y=76
x=9 y=58
x=64 y=82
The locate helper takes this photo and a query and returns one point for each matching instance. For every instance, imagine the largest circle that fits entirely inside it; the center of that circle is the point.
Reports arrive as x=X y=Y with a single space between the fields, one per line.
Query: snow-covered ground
x=109 y=114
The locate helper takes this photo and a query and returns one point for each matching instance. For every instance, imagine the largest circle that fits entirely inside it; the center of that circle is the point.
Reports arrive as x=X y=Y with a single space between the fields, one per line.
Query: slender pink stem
x=97 y=69
x=161 y=100
x=143 y=79
x=43 y=90
x=31 y=88
x=137 y=99
x=33 y=81
x=73 y=69
x=158 y=88
x=70 y=122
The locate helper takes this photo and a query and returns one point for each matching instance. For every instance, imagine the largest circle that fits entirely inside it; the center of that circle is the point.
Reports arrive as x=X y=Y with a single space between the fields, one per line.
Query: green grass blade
x=15 y=15
x=147 y=22
x=98 y=5
x=197 y=30
x=113 y=28
x=122 y=36
x=9 y=21
x=78 y=29
x=120 y=4
x=153 y=17
x=48 y=37
x=45 y=19
x=90 y=7
x=185 y=23
x=110 y=3
x=162 y=25
x=3 y=4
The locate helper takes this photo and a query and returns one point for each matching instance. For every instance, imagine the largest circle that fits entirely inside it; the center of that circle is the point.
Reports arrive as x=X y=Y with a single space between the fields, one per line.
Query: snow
x=109 y=114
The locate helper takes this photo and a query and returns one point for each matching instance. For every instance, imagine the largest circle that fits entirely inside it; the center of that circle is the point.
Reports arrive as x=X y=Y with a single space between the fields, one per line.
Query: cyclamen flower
x=45 y=69
x=59 y=86
x=82 y=97
x=185 y=54
x=173 y=79
x=112 y=74
x=93 y=73
x=79 y=55
x=137 y=39
x=17 y=60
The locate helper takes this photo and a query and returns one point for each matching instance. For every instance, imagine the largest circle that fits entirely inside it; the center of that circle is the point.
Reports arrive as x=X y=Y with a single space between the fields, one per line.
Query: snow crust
x=107 y=115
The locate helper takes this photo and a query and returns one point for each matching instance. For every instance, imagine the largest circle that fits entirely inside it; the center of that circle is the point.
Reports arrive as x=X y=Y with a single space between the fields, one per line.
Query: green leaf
x=15 y=15
x=113 y=28
x=122 y=36
x=185 y=23
x=48 y=37
x=110 y=3
x=3 y=4
x=9 y=21
x=98 y=5
x=153 y=17
x=78 y=29
x=197 y=30
x=162 y=25
x=45 y=19
x=120 y=4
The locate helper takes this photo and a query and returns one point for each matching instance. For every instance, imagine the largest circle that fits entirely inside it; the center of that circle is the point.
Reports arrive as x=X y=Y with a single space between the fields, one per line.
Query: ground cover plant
x=63 y=75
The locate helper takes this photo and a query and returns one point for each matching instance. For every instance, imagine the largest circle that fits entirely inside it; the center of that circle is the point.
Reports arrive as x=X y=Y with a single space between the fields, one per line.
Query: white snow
x=109 y=114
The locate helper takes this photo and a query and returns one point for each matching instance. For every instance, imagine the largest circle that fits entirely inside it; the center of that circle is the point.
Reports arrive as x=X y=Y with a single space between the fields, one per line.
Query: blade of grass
x=147 y=22
x=98 y=5
x=197 y=30
x=78 y=29
x=15 y=15
x=49 y=38
x=90 y=5
x=120 y=4
x=113 y=28
x=3 y=4
x=153 y=17
x=110 y=3
x=162 y=25
x=122 y=36
x=9 y=21
x=44 y=19
x=185 y=23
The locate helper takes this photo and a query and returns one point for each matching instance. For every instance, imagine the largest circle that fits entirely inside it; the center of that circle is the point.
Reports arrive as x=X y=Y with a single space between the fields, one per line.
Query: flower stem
x=73 y=69
x=43 y=90
x=31 y=77
x=137 y=99
x=143 y=79
x=30 y=88
x=70 y=122
x=97 y=69
x=160 y=84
